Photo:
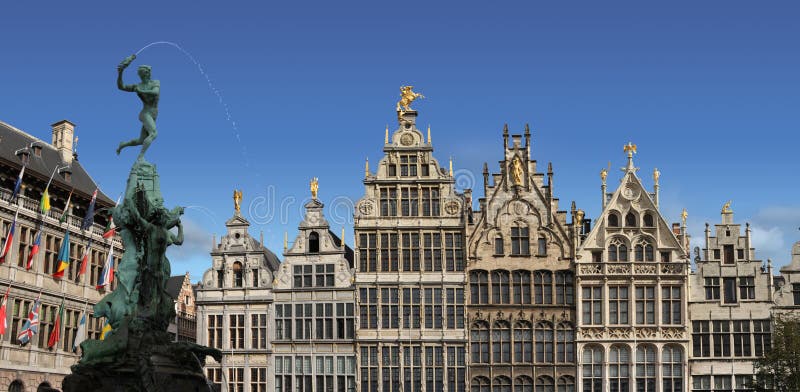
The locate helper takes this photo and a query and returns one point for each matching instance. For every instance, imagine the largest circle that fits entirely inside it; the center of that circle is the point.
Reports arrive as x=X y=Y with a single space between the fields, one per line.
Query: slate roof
x=174 y=285
x=13 y=139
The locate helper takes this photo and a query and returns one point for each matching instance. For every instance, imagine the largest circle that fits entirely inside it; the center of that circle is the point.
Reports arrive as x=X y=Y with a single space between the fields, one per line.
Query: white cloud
x=193 y=255
x=768 y=240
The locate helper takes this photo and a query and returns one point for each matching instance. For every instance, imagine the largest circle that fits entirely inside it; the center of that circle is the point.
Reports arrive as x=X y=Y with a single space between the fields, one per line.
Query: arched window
x=479 y=335
x=238 y=273
x=480 y=384
x=619 y=369
x=44 y=386
x=672 y=369
x=498 y=246
x=613 y=220
x=630 y=220
x=545 y=384
x=16 y=386
x=543 y=287
x=313 y=242
x=501 y=384
x=565 y=291
x=617 y=250
x=521 y=280
x=623 y=253
x=500 y=289
x=648 y=220
x=523 y=384
x=646 y=368
x=523 y=342
x=593 y=369
x=566 y=384
x=643 y=251
x=544 y=342
x=479 y=286
x=520 y=241
x=501 y=342
x=648 y=253
x=565 y=343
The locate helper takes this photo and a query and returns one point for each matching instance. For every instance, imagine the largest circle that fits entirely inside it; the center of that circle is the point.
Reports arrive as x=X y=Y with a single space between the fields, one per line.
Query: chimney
x=676 y=228
x=63 y=134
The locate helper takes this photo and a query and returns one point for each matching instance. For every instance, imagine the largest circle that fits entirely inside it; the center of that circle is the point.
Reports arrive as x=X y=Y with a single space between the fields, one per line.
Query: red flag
x=85 y=259
x=9 y=239
x=3 y=321
x=55 y=336
x=34 y=250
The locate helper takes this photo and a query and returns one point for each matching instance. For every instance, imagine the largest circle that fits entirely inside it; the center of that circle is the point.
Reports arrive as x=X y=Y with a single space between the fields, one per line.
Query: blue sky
x=707 y=90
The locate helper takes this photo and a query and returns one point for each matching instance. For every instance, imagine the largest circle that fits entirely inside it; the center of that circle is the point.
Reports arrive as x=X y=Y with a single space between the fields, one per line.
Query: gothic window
x=412 y=374
x=544 y=342
x=523 y=384
x=390 y=367
x=368 y=252
x=522 y=286
x=672 y=369
x=389 y=308
x=236 y=331
x=592 y=305
x=215 y=331
x=645 y=305
x=453 y=252
x=388 y=201
x=618 y=369
x=617 y=251
x=368 y=308
x=432 y=254
x=593 y=369
x=565 y=291
x=16 y=386
x=434 y=363
x=409 y=201
x=671 y=305
x=433 y=308
x=313 y=242
x=237 y=274
x=630 y=220
x=480 y=384
x=411 y=308
x=618 y=304
x=520 y=241
x=369 y=369
x=498 y=245
x=456 y=369
x=644 y=251
x=501 y=384
x=454 y=304
x=410 y=251
x=430 y=201
x=565 y=343
x=523 y=342
x=566 y=384
x=501 y=342
x=479 y=336
x=500 y=289
x=648 y=220
x=613 y=219
x=645 y=368
x=543 y=287
x=712 y=288
x=479 y=287
x=543 y=384
x=389 y=252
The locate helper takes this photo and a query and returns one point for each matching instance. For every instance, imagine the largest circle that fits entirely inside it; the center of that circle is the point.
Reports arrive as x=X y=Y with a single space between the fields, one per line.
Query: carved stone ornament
x=619 y=333
x=593 y=333
x=630 y=192
x=645 y=269
x=366 y=207
x=407 y=139
x=451 y=207
x=591 y=269
x=646 y=333
x=671 y=268
x=672 y=333
x=618 y=269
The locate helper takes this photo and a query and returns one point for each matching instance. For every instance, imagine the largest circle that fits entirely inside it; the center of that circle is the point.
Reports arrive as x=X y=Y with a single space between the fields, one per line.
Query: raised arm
x=120 y=69
x=177 y=239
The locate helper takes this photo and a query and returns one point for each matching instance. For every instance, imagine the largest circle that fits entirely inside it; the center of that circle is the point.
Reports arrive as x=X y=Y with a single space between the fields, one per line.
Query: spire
x=429 y=133
x=386 y=136
x=451 y=166
x=342 y=238
x=366 y=168
x=285 y=241
x=656 y=176
x=630 y=149
x=528 y=139
x=505 y=136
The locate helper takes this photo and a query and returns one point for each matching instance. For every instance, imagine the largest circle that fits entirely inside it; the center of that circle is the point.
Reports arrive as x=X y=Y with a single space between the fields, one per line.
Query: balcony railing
x=641 y=268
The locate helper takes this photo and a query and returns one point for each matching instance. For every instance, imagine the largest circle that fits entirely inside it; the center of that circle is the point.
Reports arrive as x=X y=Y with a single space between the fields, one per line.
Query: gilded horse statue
x=406 y=97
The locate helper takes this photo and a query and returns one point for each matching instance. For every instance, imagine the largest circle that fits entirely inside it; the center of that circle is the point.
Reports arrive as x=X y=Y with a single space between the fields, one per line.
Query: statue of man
x=148 y=91
x=518 y=172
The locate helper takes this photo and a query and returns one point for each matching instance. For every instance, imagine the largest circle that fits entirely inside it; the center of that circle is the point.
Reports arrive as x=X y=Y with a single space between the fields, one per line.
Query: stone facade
x=315 y=311
x=184 y=328
x=234 y=310
x=409 y=230
x=521 y=311
x=730 y=303
x=34 y=364
x=632 y=295
x=787 y=296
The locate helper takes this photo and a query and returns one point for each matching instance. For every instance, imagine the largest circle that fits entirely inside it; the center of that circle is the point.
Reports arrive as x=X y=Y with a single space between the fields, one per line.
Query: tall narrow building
x=315 y=309
x=730 y=306
x=787 y=296
x=409 y=229
x=234 y=309
x=520 y=268
x=632 y=272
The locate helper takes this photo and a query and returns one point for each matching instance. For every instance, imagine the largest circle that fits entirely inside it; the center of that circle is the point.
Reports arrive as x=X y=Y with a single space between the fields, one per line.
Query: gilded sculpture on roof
x=406 y=97
x=237 y=200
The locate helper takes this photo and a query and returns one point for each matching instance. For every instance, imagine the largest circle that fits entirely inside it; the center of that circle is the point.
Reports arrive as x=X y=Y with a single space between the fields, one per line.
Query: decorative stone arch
x=631 y=218
x=648 y=218
x=618 y=248
x=16 y=386
x=313 y=242
x=644 y=247
x=614 y=218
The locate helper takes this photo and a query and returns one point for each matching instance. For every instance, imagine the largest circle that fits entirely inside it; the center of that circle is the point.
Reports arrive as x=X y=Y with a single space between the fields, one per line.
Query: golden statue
x=603 y=175
x=684 y=215
x=406 y=97
x=656 y=175
x=726 y=208
x=516 y=171
x=237 y=200
x=630 y=148
x=314 y=187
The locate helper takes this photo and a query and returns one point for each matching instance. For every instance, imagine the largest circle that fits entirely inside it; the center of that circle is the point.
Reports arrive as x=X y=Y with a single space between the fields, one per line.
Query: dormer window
x=66 y=173
x=648 y=220
x=313 y=242
x=613 y=220
x=24 y=155
x=237 y=274
x=37 y=149
x=630 y=220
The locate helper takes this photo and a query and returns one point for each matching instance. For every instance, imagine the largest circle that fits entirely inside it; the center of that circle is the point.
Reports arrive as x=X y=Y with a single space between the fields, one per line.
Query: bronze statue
x=148 y=91
x=406 y=97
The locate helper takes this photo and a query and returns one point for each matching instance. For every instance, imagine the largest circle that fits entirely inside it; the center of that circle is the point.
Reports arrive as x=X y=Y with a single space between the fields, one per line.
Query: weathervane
x=630 y=148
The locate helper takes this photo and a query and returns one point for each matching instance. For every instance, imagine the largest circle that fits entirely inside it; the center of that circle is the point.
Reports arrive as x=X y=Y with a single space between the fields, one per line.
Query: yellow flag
x=45 y=203
x=106 y=329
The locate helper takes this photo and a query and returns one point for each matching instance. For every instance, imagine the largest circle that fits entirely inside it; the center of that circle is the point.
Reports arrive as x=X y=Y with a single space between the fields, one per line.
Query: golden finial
x=386 y=137
x=314 y=187
x=237 y=200
x=342 y=237
x=630 y=148
x=726 y=208
x=366 y=168
x=684 y=215
x=603 y=175
x=451 y=166
x=580 y=214
x=429 y=133
x=285 y=240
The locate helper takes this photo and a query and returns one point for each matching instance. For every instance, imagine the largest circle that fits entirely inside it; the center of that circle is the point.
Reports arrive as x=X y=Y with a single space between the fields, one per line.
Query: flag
x=106 y=329
x=44 y=204
x=88 y=220
x=31 y=326
x=63 y=257
x=108 y=270
x=80 y=336
x=34 y=250
x=111 y=228
x=3 y=321
x=85 y=258
x=55 y=336
x=66 y=208
x=17 y=184
x=9 y=239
